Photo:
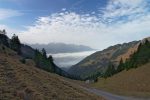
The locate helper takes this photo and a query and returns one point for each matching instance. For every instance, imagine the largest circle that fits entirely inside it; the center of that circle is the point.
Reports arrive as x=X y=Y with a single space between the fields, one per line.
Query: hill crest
x=99 y=61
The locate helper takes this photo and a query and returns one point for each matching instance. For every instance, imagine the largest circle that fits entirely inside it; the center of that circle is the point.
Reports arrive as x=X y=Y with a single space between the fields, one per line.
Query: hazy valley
x=74 y=49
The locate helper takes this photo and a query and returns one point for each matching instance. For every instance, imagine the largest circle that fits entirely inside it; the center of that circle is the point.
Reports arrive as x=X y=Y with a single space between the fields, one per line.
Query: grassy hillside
x=40 y=58
x=135 y=82
x=20 y=81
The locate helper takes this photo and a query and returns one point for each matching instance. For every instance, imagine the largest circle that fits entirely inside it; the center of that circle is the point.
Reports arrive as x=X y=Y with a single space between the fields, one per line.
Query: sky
x=94 y=23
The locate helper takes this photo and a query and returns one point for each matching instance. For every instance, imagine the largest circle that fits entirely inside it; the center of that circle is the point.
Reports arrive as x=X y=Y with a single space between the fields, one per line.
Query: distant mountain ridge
x=61 y=47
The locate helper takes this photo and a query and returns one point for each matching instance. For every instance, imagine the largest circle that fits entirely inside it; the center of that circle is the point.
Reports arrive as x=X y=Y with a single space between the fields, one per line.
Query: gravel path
x=110 y=96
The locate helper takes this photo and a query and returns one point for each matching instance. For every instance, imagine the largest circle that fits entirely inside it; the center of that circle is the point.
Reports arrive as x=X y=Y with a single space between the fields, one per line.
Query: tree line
x=40 y=57
x=138 y=58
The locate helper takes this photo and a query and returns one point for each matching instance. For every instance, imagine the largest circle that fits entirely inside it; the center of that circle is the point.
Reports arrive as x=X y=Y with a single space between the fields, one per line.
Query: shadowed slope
x=20 y=81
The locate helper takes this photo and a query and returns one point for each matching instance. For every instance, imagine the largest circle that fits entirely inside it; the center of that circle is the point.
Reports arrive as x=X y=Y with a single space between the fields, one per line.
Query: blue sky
x=32 y=9
x=96 y=23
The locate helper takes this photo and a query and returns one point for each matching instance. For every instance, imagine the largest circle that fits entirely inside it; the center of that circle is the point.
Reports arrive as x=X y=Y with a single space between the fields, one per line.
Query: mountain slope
x=134 y=82
x=61 y=47
x=28 y=53
x=132 y=50
x=99 y=61
x=21 y=81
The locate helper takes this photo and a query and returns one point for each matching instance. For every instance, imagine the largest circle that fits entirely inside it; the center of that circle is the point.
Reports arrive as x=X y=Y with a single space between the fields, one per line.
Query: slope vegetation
x=99 y=61
x=21 y=81
x=134 y=82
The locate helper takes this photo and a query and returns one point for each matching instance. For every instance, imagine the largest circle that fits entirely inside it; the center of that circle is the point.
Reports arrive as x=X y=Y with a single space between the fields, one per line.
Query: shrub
x=23 y=60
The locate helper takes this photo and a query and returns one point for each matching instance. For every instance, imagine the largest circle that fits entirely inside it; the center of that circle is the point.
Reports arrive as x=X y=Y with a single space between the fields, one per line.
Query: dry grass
x=19 y=81
x=128 y=53
x=135 y=82
x=131 y=51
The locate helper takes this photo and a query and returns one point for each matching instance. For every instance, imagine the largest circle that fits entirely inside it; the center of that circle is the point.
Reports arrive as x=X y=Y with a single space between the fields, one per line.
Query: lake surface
x=66 y=60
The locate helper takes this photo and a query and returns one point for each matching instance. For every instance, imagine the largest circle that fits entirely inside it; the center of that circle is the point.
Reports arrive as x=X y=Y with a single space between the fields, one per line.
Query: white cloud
x=7 y=13
x=86 y=29
x=10 y=31
x=124 y=8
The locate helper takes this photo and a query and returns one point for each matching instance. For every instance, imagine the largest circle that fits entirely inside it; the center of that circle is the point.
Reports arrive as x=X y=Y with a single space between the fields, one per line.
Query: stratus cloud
x=86 y=29
x=7 y=13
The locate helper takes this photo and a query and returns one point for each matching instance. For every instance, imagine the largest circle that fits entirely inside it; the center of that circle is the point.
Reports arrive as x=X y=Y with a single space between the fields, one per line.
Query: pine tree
x=4 y=38
x=113 y=69
x=43 y=62
x=50 y=58
x=15 y=44
x=4 y=31
x=44 y=53
x=110 y=71
x=37 y=57
x=120 y=66
x=146 y=42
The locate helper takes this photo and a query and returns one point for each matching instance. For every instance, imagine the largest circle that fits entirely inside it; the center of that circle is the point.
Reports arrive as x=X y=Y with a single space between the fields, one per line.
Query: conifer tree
x=110 y=71
x=44 y=53
x=120 y=66
x=37 y=57
x=50 y=58
x=4 y=31
x=4 y=38
x=15 y=44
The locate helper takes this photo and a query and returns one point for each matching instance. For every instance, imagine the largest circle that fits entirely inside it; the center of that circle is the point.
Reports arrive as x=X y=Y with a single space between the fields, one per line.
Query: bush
x=3 y=48
x=23 y=61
